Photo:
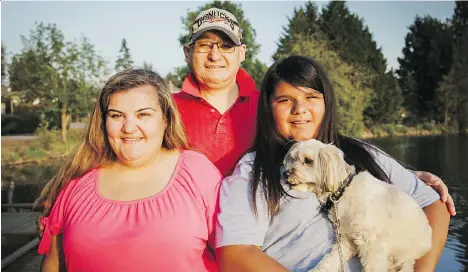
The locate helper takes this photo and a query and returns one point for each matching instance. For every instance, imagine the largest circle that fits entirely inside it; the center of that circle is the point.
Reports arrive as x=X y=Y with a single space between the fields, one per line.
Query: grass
x=46 y=147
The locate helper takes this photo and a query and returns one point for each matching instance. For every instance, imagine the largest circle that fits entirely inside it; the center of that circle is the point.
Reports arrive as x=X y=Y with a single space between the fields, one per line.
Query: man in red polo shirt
x=218 y=99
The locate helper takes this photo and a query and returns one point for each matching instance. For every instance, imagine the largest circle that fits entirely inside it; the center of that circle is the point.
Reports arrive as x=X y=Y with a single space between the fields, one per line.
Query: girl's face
x=297 y=111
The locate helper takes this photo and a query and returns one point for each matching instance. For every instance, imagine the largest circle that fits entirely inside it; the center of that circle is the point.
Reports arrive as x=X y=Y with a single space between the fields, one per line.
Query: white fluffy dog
x=384 y=226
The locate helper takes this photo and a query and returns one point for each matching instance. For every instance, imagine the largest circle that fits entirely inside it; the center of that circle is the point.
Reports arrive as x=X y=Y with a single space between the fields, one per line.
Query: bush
x=378 y=131
x=402 y=129
x=75 y=135
x=390 y=129
x=20 y=123
x=428 y=126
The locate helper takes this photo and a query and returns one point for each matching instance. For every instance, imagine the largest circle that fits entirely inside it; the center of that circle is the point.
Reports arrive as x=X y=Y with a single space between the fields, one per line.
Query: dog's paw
x=301 y=187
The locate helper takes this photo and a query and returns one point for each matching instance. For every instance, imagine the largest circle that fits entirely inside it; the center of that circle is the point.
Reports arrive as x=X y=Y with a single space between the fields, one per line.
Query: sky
x=152 y=29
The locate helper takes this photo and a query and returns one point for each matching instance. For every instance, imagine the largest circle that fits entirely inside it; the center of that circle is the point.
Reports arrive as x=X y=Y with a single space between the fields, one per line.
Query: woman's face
x=297 y=112
x=135 y=124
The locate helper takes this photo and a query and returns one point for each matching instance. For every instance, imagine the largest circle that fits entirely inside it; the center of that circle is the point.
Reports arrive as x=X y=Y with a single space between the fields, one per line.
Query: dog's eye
x=307 y=161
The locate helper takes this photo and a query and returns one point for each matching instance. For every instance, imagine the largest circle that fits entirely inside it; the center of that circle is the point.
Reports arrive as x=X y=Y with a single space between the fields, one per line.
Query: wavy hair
x=94 y=149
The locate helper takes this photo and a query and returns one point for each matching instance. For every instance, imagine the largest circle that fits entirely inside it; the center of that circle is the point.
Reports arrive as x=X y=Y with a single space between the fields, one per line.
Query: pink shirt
x=165 y=232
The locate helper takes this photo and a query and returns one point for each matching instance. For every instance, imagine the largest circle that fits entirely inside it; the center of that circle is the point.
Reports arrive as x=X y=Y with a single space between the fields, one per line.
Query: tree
x=4 y=64
x=177 y=77
x=351 y=38
x=252 y=65
x=427 y=57
x=386 y=105
x=147 y=66
x=460 y=19
x=447 y=94
x=348 y=82
x=348 y=36
x=347 y=33
x=124 y=61
x=303 y=22
x=58 y=74
x=453 y=90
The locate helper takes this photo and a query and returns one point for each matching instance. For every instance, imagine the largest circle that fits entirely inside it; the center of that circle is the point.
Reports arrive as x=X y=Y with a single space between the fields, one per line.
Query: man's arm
x=439 y=220
x=244 y=258
x=439 y=186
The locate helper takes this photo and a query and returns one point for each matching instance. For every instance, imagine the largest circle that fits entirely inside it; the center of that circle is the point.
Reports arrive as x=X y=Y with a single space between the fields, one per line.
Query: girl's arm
x=240 y=232
x=55 y=260
x=439 y=218
x=244 y=258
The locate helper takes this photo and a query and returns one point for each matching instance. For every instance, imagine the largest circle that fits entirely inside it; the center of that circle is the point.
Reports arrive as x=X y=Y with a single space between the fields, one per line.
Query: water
x=447 y=157
x=28 y=179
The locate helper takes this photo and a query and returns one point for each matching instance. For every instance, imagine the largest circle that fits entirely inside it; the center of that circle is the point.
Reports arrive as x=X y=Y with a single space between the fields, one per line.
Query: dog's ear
x=332 y=167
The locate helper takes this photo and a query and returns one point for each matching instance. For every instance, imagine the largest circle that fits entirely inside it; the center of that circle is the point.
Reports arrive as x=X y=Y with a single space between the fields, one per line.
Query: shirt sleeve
x=211 y=200
x=404 y=179
x=237 y=224
x=52 y=223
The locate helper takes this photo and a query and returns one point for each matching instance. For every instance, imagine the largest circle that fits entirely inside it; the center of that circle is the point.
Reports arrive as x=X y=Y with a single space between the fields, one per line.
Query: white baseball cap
x=217 y=19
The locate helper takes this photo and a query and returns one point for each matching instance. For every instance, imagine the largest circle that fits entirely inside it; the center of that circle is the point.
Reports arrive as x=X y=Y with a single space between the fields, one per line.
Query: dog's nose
x=286 y=174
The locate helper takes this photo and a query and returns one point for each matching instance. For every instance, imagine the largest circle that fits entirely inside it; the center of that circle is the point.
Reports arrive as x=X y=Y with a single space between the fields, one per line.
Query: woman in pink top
x=131 y=197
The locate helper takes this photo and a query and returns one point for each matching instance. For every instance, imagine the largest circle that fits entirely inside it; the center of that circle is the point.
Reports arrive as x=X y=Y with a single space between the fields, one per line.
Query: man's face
x=214 y=67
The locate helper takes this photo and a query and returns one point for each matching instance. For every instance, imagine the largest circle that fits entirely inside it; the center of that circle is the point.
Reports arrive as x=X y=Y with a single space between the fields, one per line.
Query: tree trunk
x=446 y=112
x=64 y=122
x=462 y=117
x=12 y=105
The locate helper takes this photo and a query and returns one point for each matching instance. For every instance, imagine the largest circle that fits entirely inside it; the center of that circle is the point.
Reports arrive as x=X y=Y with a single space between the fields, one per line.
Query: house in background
x=9 y=100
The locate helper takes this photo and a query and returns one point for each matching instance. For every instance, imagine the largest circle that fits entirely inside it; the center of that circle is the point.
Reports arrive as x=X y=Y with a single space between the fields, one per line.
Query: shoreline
x=422 y=129
x=369 y=135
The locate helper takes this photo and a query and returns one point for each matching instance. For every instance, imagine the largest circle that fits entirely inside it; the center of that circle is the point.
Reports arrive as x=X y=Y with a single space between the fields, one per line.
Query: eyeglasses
x=205 y=47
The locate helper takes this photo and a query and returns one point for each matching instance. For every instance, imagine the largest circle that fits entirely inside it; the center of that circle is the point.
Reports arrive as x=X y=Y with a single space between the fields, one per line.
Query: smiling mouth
x=131 y=140
x=300 y=122
x=215 y=66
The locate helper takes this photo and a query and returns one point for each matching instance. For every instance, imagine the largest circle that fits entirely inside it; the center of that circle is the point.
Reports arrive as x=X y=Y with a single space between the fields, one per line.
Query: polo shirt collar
x=243 y=79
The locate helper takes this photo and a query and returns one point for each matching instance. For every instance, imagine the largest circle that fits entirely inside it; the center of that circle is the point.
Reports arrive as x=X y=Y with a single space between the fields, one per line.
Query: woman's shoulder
x=198 y=167
x=194 y=160
x=82 y=181
x=197 y=174
x=76 y=191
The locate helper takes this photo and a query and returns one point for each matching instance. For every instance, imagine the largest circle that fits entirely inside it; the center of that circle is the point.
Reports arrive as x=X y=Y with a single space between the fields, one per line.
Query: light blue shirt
x=299 y=235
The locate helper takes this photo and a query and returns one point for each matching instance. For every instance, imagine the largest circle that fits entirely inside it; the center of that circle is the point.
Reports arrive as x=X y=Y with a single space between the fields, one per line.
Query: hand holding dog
x=439 y=186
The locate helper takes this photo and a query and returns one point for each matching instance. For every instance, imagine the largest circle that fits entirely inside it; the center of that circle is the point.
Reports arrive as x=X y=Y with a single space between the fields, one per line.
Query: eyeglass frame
x=212 y=46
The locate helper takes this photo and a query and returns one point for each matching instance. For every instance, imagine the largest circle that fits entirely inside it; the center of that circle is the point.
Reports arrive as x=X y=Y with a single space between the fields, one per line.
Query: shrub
x=20 y=123
x=402 y=129
x=378 y=131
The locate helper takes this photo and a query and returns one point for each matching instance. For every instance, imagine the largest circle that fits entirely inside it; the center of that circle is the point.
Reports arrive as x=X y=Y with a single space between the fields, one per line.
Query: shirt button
x=221 y=121
x=212 y=110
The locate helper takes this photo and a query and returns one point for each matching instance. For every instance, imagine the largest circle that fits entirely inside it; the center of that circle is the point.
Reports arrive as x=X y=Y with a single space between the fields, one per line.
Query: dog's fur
x=384 y=226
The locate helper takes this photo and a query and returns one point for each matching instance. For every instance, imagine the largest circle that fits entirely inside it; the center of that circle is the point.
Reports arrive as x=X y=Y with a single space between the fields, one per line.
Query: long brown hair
x=94 y=148
x=270 y=147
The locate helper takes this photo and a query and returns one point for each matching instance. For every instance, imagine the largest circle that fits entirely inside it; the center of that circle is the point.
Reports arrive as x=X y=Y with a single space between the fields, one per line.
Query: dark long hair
x=271 y=147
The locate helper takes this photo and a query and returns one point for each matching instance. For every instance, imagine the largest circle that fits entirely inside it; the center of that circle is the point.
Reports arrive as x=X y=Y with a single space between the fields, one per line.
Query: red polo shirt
x=223 y=138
